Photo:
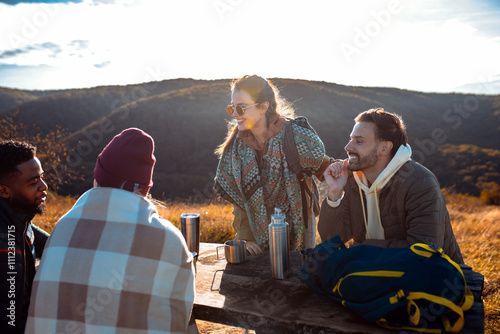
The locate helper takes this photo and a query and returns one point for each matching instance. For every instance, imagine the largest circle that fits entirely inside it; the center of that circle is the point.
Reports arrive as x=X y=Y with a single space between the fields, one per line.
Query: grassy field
x=476 y=227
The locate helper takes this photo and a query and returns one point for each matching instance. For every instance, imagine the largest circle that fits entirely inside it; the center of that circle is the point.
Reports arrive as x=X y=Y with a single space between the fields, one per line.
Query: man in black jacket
x=22 y=196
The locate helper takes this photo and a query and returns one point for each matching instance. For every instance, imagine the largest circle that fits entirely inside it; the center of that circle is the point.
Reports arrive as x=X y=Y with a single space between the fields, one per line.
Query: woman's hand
x=253 y=248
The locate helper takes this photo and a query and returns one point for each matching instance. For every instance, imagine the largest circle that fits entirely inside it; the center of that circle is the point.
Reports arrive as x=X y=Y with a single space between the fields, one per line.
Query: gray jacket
x=412 y=210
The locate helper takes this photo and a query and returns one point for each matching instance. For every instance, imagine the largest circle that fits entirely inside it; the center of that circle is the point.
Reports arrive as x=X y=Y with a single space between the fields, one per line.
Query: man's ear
x=387 y=148
x=4 y=191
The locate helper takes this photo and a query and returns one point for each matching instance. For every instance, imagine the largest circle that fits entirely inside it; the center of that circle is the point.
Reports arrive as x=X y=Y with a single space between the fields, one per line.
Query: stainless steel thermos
x=190 y=228
x=279 y=248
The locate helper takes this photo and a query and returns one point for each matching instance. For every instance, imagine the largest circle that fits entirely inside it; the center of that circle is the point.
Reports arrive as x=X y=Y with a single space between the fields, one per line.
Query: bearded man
x=390 y=200
x=22 y=196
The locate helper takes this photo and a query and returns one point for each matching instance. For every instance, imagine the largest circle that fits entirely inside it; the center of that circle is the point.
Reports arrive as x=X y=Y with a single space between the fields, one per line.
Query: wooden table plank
x=245 y=295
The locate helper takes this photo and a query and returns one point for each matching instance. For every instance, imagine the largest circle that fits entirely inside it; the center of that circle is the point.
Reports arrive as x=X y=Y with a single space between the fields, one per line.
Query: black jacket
x=21 y=243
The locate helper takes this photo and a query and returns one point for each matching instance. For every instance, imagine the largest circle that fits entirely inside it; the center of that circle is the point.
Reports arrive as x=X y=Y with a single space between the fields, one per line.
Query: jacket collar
x=355 y=187
x=13 y=217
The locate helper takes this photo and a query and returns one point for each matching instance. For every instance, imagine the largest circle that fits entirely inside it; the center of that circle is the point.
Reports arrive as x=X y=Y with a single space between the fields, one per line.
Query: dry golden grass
x=57 y=206
x=476 y=227
x=215 y=219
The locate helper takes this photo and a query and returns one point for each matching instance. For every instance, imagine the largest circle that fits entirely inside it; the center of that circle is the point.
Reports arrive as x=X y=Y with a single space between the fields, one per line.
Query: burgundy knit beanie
x=127 y=162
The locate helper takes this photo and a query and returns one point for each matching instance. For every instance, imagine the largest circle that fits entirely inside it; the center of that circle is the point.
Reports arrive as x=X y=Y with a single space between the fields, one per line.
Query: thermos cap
x=278 y=217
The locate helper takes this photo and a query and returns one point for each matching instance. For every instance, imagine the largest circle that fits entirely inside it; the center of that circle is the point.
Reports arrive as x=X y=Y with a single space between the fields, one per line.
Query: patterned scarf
x=258 y=192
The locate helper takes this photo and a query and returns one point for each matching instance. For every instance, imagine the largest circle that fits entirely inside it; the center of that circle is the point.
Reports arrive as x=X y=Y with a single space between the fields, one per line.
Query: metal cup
x=190 y=228
x=235 y=251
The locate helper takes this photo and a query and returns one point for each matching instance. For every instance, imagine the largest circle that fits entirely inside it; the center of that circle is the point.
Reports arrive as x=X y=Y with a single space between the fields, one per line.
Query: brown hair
x=261 y=90
x=388 y=127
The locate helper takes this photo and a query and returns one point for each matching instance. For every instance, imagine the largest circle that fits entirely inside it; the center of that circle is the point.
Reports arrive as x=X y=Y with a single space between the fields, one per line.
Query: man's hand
x=253 y=248
x=336 y=178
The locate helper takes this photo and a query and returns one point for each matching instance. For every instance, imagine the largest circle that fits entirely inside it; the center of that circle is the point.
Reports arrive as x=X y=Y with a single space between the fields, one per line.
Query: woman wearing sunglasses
x=252 y=172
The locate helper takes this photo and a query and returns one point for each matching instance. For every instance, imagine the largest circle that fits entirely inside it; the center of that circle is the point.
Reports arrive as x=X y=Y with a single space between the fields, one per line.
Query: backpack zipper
x=377 y=273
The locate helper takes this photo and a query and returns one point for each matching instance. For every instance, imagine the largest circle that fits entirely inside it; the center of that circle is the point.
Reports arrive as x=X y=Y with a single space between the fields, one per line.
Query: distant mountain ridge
x=187 y=119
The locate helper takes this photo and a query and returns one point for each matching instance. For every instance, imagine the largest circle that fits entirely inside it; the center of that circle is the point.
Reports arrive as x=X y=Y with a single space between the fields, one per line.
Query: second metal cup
x=235 y=251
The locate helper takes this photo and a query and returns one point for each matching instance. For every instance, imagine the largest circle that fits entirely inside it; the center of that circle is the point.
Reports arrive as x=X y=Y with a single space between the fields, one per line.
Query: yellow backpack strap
x=456 y=327
x=427 y=251
x=467 y=304
x=414 y=313
x=468 y=300
x=383 y=322
x=423 y=250
x=336 y=287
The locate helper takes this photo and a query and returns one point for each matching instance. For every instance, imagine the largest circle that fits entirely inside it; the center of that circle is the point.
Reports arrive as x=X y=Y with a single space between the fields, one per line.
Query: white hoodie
x=371 y=214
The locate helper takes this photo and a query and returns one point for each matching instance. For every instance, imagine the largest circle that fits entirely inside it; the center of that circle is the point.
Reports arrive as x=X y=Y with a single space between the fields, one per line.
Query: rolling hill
x=455 y=135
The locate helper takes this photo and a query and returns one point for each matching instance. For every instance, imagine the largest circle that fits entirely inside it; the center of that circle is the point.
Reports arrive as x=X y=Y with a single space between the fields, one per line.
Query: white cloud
x=421 y=45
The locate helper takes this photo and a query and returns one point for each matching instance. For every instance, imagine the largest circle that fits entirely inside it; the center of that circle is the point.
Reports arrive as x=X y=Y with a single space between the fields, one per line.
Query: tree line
x=454 y=135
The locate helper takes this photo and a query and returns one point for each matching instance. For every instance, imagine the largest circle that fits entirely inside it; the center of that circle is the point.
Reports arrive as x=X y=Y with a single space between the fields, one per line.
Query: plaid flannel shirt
x=112 y=265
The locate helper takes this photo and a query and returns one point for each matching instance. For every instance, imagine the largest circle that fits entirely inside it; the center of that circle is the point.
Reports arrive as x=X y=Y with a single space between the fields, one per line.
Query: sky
x=422 y=45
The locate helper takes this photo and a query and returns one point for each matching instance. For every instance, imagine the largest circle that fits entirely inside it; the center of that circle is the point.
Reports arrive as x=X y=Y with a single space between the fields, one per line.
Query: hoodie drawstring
x=377 y=205
x=364 y=210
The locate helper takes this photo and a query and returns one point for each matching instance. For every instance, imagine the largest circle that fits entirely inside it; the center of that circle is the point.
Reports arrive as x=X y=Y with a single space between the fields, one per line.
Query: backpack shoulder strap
x=292 y=159
x=303 y=122
x=291 y=152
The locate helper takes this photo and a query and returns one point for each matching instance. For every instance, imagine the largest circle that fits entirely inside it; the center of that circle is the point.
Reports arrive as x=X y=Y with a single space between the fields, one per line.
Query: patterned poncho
x=112 y=265
x=258 y=192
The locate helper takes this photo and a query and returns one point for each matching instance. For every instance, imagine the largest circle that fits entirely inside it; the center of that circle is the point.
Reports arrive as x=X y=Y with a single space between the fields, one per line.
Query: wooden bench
x=244 y=295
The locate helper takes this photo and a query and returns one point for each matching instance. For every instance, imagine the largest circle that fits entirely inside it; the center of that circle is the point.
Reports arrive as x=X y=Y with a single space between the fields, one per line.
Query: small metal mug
x=235 y=251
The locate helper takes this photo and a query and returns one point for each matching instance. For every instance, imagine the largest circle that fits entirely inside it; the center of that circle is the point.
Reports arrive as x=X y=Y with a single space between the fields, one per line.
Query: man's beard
x=364 y=162
x=23 y=206
x=39 y=209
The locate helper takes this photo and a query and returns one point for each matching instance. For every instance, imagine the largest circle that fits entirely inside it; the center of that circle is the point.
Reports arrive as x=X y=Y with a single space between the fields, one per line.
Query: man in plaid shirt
x=112 y=264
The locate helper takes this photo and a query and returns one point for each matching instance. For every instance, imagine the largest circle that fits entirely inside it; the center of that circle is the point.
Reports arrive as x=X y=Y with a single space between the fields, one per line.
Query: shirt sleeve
x=336 y=203
x=241 y=224
x=310 y=148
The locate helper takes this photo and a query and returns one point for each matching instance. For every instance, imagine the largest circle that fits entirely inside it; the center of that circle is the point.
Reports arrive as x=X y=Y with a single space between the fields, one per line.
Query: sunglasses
x=239 y=109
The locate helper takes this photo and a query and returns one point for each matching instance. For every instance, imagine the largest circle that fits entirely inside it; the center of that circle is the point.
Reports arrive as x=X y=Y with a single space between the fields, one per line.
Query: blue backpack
x=414 y=288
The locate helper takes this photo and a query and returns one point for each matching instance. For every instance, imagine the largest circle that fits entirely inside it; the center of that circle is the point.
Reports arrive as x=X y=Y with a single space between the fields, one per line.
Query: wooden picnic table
x=245 y=295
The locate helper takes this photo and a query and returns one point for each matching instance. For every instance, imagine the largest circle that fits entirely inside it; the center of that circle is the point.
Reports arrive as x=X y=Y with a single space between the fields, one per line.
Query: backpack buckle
x=399 y=295
x=433 y=245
